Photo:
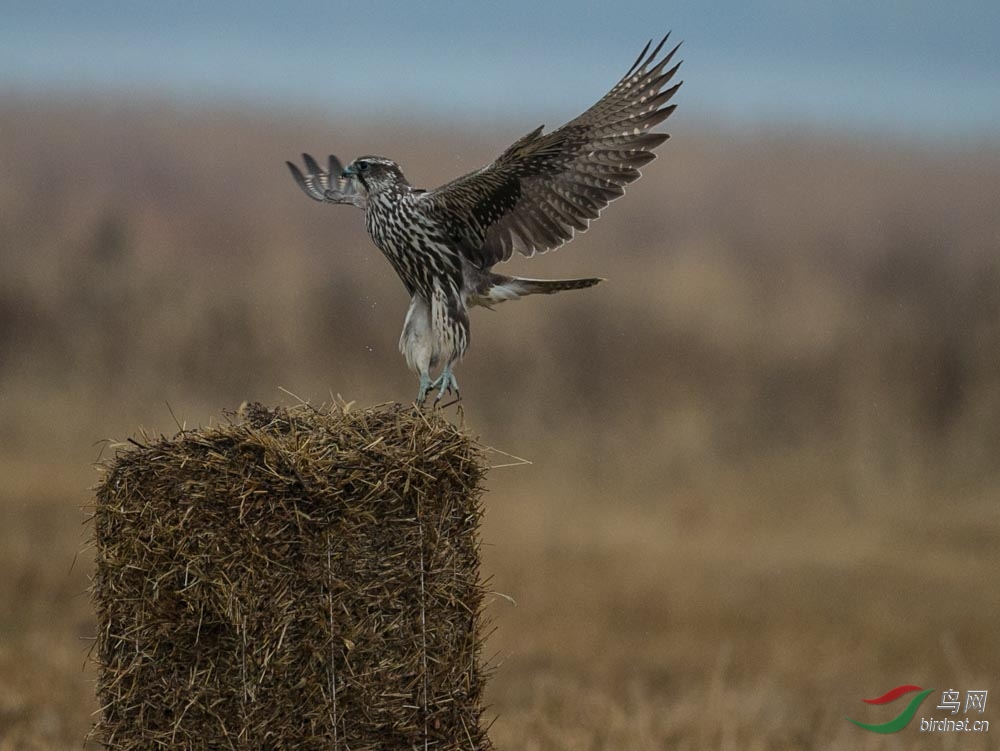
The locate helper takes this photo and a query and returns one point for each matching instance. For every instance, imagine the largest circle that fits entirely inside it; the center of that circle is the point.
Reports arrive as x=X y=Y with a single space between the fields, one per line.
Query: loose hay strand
x=333 y=661
x=423 y=624
x=255 y=585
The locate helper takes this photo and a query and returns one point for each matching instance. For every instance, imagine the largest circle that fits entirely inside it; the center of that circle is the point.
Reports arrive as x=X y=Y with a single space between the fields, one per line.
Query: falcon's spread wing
x=327 y=185
x=546 y=186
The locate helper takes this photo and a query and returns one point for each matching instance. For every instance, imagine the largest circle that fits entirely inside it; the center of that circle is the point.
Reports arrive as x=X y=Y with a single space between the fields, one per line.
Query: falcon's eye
x=363 y=166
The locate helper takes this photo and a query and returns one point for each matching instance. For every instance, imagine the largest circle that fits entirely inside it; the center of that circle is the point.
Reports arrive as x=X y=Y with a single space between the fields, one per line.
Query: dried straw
x=293 y=579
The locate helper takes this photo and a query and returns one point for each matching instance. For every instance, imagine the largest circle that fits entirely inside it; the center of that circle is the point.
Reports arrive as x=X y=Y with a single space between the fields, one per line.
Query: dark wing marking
x=547 y=186
x=327 y=184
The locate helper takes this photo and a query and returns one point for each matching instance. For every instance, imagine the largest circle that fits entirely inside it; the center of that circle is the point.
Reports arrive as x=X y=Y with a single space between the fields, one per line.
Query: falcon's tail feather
x=503 y=288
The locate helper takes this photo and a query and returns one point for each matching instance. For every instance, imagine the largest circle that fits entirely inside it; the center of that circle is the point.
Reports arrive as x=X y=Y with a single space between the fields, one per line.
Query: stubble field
x=764 y=480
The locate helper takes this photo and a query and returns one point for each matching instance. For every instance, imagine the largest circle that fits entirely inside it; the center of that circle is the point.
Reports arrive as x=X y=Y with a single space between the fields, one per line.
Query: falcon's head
x=375 y=173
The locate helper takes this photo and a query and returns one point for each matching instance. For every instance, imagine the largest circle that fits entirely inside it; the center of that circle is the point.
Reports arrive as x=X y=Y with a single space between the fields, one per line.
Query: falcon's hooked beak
x=351 y=176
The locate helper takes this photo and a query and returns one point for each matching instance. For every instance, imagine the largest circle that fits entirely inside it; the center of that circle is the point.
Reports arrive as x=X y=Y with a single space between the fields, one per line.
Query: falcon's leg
x=417 y=344
x=450 y=322
x=425 y=386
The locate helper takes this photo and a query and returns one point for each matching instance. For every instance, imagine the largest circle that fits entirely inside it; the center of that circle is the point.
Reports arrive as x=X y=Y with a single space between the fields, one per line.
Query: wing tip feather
x=642 y=56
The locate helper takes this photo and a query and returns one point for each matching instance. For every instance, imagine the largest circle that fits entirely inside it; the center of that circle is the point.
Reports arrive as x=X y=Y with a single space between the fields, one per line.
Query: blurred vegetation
x=791 y=378
x=768 y=294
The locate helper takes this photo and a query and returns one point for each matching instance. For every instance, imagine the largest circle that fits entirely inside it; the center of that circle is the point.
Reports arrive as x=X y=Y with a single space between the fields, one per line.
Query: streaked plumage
x=531 y=199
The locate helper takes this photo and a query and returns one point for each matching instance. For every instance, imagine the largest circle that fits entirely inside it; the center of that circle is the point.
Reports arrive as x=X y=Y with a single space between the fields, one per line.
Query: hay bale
x=294 y=579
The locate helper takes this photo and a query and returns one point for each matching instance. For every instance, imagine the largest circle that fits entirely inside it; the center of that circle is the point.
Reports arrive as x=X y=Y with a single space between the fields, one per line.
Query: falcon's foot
x=446 y=383
x=425 y=386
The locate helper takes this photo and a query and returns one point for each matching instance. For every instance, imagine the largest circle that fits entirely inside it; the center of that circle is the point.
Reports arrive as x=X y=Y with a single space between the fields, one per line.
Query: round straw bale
x=293 y=578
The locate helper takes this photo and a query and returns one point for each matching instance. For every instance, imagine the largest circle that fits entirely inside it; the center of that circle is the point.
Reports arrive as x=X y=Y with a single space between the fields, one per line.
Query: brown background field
x=764 y=479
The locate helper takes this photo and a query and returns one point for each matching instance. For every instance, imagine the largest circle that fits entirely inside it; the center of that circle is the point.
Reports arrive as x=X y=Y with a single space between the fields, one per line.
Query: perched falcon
x=443 y=243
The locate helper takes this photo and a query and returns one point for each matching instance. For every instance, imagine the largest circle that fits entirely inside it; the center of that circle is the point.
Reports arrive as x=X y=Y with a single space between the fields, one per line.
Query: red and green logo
x=901 y=720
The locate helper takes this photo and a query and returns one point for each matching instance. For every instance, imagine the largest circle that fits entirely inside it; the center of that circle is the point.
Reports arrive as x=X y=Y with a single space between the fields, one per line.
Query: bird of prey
x=444 y=242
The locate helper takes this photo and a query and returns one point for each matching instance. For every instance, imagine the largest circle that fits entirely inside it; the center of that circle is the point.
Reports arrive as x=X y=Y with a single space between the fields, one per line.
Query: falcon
x=534 y=197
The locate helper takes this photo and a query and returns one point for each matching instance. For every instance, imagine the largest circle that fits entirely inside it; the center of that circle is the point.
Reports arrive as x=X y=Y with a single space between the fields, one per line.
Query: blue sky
x=917 y=69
